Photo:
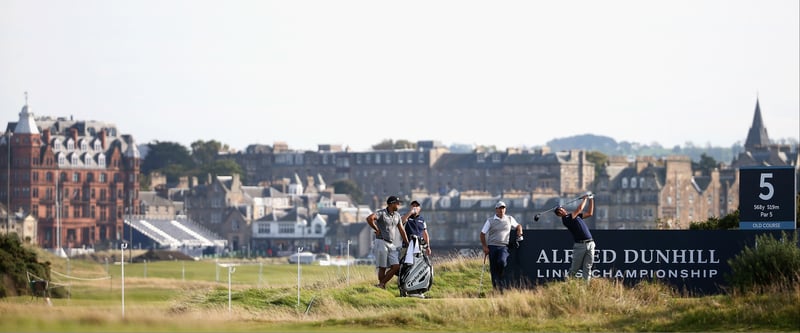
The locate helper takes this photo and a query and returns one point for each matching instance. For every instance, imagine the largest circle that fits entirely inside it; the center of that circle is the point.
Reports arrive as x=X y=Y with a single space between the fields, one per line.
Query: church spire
x=757 y=136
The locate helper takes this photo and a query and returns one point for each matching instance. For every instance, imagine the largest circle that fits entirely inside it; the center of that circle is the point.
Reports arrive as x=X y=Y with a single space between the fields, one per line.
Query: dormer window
x=633 y=182
x=62 y=160
x=97 y=145
x=84 y=146
x=70 y=145
x=101 y=160
x=624 y=182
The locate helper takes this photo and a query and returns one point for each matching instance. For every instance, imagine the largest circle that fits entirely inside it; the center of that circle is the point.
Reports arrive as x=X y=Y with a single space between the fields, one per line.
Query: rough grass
x=264 y=298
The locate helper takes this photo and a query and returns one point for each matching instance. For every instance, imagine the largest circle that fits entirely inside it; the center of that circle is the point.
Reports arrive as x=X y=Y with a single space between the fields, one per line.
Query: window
x=76 y=177
x=286 y=228
x=102 y=177
x=633 y=182
x=101 y=160
x=263 y=228
x=624 y=182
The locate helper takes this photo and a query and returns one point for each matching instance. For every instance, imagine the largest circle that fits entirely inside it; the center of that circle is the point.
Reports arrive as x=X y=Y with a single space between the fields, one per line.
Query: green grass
x=188 y=297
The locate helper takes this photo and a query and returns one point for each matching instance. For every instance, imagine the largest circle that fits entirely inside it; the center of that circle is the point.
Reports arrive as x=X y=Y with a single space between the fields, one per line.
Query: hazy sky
x=504 y=73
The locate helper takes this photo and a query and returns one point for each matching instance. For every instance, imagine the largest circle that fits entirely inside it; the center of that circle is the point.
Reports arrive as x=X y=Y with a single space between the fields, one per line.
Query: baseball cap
x=414 y=203
x=393 y=199
x=499 y=204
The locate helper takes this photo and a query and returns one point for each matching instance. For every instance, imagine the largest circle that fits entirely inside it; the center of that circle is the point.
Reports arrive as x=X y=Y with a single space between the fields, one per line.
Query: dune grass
x=194 y=297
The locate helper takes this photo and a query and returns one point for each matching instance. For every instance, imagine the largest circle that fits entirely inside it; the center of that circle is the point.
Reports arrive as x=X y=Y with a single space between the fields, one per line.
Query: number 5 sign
x=767 y=198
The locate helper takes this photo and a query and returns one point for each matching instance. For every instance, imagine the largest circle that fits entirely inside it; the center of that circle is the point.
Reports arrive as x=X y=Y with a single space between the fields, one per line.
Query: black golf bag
x=415 y=278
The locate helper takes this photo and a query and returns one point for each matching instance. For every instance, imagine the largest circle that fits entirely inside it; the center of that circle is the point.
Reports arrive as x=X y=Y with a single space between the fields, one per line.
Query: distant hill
x=611 y=147
x=586 y=142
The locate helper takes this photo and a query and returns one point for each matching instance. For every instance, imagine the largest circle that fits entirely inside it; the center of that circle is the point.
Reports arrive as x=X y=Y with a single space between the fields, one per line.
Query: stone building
x=430 y=168
x=653 y=193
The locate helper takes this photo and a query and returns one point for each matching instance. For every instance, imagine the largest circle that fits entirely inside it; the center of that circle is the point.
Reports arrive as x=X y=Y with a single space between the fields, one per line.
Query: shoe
x=381 y=285
x=417 y=295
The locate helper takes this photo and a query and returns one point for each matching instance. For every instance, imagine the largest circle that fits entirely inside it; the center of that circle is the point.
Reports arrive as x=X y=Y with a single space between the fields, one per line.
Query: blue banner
x=689 y=260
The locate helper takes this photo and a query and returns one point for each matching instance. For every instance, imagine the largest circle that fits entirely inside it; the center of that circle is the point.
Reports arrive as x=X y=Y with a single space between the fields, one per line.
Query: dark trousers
x=498 y=259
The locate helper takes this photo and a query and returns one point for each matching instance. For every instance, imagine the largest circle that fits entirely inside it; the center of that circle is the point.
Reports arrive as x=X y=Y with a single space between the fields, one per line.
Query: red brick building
x=77 y=178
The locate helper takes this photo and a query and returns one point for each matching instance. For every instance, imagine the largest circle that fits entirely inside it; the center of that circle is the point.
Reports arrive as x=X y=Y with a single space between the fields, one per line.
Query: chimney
x=73 y=133
x=103 y=138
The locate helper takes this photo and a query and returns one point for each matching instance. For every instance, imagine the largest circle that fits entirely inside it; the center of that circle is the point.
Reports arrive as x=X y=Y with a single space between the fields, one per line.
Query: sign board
x=767 y=198
x=690 y=260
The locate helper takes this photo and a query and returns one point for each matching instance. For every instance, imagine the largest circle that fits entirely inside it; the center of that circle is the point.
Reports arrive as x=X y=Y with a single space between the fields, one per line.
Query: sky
x=355 y=73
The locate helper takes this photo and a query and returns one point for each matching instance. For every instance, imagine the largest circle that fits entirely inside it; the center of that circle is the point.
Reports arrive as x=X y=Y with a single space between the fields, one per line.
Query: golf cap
x=499 y=204
x=555 y=209
x=414 y=203
x=393 y=199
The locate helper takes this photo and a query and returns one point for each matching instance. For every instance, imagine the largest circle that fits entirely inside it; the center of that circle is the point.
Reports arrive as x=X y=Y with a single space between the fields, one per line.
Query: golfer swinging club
x=583 y=249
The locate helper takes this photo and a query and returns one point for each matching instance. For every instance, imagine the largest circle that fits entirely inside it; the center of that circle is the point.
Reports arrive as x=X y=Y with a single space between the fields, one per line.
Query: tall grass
x=188 y=297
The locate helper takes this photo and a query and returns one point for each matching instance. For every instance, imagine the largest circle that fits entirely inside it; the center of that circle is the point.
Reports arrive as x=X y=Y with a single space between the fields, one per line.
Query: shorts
x=386 y=254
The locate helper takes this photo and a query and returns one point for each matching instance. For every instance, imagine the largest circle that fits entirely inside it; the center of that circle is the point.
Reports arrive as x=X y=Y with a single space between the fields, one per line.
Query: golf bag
x=416 y=278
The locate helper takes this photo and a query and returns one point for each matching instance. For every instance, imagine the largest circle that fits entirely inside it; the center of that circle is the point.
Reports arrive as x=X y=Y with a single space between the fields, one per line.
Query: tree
x=205 y=152
x=706 y=164
x=404 y=144
x=350 y=187
x=386 y=144
x=221 y=167
x=599 y=159
x=170 y=158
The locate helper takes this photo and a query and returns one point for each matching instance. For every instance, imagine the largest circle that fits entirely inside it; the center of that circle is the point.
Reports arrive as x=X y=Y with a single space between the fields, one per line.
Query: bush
x=15 y=262
x=730 y=221
x=771 y=262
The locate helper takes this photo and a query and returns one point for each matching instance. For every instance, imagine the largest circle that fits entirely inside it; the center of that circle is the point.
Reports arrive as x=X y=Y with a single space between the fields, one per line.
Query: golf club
x=539 y=214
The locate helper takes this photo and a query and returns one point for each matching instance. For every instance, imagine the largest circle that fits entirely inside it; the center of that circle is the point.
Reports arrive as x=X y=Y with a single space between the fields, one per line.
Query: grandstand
x=174 y=233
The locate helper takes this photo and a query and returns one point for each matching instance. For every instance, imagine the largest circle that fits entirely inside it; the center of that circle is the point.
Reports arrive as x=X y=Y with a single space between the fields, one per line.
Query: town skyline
x=509 y=75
